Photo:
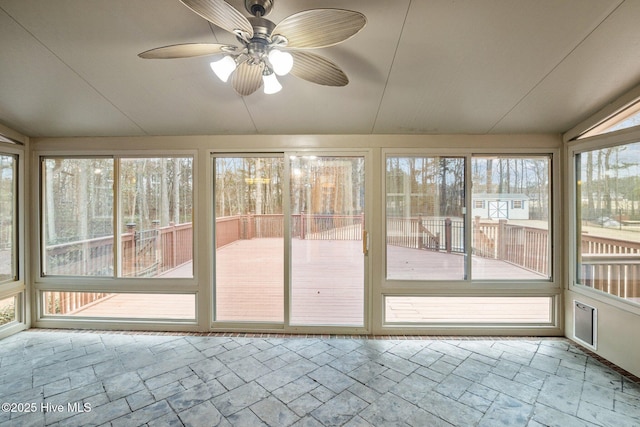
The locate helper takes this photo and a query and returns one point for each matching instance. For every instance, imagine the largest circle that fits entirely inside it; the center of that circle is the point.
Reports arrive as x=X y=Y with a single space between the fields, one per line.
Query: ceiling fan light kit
x=223 y=67
x=281 y=62
x=268 y=49
x=271 y=83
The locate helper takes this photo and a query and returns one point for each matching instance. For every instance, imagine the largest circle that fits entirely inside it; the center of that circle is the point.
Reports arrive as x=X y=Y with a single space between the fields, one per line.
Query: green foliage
x=7 y=313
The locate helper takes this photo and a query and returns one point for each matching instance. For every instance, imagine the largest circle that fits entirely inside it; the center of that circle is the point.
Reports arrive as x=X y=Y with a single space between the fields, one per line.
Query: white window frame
x=607 y=140
x=110 y=284
x=18 y=287
x=470 y=287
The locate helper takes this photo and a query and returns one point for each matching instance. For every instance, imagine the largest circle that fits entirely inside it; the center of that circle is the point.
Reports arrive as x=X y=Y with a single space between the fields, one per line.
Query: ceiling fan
x=268 y=49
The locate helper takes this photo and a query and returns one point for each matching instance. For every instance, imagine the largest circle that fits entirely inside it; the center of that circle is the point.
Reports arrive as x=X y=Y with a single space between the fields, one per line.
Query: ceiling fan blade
x=247 y=78
x=317 y=69
x=188 y=50
x=222 y=14
x=317 y=28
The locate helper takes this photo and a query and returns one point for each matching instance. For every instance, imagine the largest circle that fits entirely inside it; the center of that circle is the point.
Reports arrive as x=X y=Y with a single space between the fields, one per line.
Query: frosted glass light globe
x=282 y=62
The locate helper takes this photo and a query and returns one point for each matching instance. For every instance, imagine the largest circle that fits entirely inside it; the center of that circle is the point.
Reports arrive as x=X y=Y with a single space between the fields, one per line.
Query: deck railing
x=303 y=226
x=610 y=265
x=62 y=303
x=526 y=247
x=617 y=274
x=327 y=227
x=438 y=234
x=144 y=253
x=604 y=245
x=89 y=257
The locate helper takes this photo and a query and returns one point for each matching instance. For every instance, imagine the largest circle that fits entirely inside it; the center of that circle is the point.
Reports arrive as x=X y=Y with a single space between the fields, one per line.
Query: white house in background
x=500 y=206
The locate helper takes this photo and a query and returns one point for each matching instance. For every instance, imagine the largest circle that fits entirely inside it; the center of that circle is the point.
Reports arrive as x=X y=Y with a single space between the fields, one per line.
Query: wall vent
x=585 y=322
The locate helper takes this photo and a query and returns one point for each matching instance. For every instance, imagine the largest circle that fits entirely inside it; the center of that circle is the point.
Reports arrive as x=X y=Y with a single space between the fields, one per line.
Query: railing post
x=251 y=225
x=244 y=227
x=416 y=225
x=156 y=239
x=477 y=242
x=174 y=249
x=131 y=228
x=447 y=234
x=303 y=225
x=502 y=225
x=86 y=255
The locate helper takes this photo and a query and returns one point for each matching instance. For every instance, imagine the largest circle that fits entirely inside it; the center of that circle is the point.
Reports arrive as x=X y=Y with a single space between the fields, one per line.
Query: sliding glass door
x=310 y=208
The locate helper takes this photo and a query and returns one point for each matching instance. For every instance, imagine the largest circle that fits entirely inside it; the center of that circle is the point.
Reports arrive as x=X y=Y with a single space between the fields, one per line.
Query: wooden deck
x=249 y=281
x=327 y=278
x=327 y=282
x=414 y=264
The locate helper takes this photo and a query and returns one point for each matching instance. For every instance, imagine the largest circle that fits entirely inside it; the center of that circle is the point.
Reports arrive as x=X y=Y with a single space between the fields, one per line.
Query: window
x=608 y=220
x=179 y=307
x=425 y=218
x=626 y=118
x=8 y=217
x=505 y=240
x=8 y=312
x=78 y=217
x=511 y=240
x=154 y=195
x=476 y=310
x=11 y=285
x=155 y=218
x=510 y=219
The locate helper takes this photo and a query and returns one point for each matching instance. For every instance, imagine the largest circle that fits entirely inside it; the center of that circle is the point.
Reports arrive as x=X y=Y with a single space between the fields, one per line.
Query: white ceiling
x=70 y=68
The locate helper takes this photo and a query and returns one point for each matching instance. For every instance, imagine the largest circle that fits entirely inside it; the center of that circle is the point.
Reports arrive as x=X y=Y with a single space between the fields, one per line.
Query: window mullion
x=117 y=223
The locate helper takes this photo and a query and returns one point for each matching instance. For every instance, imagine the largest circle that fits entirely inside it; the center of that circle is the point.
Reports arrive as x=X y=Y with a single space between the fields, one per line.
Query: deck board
x=327 y=277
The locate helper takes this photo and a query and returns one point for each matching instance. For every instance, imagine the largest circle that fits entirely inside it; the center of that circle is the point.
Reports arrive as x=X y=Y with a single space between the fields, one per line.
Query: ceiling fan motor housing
x=258 y=45
x=258 y=7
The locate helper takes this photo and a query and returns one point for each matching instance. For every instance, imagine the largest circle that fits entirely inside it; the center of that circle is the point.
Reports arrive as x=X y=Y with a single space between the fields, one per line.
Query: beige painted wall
x=618 y=330
x=618 y=324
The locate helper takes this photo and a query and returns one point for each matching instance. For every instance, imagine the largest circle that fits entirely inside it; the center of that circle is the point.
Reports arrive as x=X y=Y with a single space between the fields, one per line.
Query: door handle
x=365 y=242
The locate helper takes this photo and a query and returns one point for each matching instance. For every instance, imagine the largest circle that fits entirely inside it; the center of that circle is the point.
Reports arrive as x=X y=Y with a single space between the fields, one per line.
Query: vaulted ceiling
x=70 y=68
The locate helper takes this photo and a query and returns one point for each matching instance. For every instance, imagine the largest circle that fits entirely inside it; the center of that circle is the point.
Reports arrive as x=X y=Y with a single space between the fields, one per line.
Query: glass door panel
x=327 y=224
x=249 y=263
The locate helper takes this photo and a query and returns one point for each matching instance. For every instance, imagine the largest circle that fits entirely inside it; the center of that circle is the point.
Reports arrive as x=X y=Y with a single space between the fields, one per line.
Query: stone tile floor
x=56 y=378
